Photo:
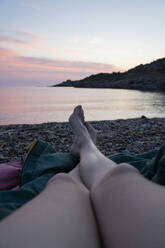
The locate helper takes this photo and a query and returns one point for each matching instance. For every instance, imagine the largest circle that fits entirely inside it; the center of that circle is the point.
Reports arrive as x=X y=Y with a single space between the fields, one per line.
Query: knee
x=112 y=179
x=59 y=177
x=66 y=181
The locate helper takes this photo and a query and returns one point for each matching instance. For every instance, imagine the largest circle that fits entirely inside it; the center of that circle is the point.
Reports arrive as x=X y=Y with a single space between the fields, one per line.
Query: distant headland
x=148 y=77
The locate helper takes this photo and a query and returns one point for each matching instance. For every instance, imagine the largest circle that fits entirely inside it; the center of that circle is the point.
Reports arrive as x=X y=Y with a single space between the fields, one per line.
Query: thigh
x=129 y=209
x=61 y=216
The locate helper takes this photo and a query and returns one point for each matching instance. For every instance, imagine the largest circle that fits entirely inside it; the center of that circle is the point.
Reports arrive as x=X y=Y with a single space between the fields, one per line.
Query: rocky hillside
x=148 y=77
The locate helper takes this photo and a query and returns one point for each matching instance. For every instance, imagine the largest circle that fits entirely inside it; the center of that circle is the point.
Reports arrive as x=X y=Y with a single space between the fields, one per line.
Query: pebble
x=136 y=135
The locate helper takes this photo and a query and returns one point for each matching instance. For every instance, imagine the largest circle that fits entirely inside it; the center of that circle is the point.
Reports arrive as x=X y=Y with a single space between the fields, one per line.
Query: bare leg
x=75 y=174
x=129 y=209
x=75 y=148
x=93 y=164
x=60 y=216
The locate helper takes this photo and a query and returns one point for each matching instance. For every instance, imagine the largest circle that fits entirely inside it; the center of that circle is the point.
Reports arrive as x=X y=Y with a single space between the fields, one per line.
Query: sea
x=31 y=105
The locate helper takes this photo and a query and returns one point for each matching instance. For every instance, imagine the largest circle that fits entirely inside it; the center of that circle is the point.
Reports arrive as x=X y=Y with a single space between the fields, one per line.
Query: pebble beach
x=136 y=135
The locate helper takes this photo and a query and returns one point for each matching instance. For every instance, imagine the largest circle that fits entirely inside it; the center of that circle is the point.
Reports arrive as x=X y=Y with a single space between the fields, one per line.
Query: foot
x=84 y=132
x=77 y=121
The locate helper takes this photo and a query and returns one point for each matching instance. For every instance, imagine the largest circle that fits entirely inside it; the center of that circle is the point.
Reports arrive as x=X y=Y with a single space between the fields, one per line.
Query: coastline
x=136 y=135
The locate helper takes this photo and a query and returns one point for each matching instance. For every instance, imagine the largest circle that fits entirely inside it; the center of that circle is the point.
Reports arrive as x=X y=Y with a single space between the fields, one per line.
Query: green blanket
x=43 y=162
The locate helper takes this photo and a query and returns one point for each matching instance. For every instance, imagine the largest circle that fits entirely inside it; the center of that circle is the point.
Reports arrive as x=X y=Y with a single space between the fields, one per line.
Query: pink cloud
x=20 y=39
x=15 y=67
x=5 y=38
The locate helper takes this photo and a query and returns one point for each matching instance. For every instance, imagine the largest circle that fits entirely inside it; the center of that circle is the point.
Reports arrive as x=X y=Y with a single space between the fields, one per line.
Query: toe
x=77 y=109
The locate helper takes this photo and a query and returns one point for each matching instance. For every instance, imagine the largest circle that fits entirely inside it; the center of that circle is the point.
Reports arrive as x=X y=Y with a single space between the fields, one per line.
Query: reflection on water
x=43 y=104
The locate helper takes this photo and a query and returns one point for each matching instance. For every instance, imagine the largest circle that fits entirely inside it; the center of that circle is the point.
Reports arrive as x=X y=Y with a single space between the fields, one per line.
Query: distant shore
x=136 y=135
x=147 y=77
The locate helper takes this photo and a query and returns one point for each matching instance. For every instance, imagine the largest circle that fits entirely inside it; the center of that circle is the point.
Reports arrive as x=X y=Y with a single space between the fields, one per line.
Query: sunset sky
x=47 y=41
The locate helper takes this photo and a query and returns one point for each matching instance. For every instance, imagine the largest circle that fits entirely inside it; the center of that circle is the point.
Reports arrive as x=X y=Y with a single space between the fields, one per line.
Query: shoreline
x=136 y=135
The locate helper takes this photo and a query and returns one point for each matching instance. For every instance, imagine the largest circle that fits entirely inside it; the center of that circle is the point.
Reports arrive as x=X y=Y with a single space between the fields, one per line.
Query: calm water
x=43 y=104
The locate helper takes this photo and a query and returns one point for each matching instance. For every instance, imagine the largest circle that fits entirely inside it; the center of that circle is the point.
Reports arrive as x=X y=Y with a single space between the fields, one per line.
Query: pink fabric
x=10 y=175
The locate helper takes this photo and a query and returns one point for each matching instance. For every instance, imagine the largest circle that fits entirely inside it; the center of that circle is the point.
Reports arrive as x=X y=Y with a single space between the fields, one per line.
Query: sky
x=44 y=42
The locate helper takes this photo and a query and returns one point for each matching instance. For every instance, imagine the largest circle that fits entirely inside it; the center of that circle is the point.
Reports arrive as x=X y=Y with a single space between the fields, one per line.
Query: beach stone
x=1 y=156
x=136 y=135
